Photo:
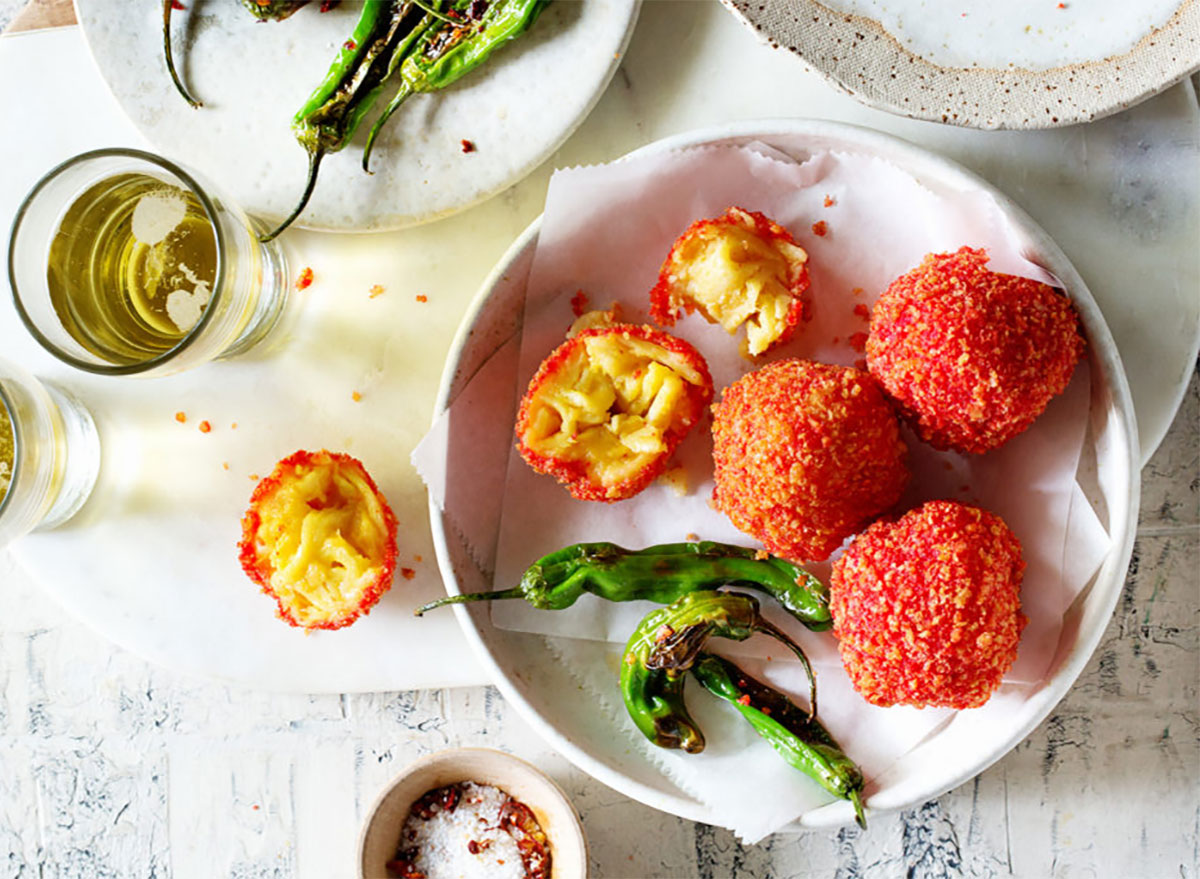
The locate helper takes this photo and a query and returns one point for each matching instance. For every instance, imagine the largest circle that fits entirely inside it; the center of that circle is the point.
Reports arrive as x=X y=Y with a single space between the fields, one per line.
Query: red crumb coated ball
x=927 y=609
x=972 y=357
x=805 y=454
x=608 y=407
x=320 y=539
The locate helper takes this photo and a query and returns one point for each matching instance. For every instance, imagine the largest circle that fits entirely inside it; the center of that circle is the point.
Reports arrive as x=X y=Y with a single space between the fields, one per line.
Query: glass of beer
x=49 y=454
x=124 y=263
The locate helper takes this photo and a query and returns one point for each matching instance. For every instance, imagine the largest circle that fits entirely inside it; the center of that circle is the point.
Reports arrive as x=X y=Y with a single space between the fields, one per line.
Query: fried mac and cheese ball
x=740 y=268
x=971 y=356
x=927 y=609
x=320 y=539
x=805 y=454
x=608 y=407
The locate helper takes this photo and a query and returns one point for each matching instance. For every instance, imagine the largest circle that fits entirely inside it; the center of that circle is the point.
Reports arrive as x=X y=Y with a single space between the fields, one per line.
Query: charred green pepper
x=795 y=735
x=276 y=10
x=662 y=574
x=458 y=41
x=665 y=645
x=385 y=31
x=167 y=7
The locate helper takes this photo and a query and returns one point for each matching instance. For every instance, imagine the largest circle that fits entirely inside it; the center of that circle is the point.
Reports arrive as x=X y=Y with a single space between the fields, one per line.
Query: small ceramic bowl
x=518 y=779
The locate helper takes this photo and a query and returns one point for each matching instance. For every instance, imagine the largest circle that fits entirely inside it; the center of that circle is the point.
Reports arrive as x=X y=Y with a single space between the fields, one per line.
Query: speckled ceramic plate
x=570 y=719
x=251 y=78
x=1020 y=64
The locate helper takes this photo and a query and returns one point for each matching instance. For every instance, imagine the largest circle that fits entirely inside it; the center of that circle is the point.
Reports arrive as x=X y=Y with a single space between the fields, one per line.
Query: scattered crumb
x=254 y=476
x=467 y=146
x=830 y=201
x=255 y=807
x=417 y=559
x=421 y=297
x=1061 y=6
x=837 y=339
x=355 y=396
x=376 y=290
x=820 y=229
x=175 y=4
x=350 y=44
x=744 y=699
x=304 y=279
x=862 y=311
x=407 y=573
x=616 y=56
x=180 y=417
x=858 y=342
x=692 y=536
x=579 y=303
x=762 y=554
x=224 y=465
x=857 y=291
x=233 y=425
x=205 y=427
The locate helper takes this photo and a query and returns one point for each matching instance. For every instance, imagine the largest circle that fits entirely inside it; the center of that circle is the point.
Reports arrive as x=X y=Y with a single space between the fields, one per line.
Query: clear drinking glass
x=49 y=454
x=124 y=263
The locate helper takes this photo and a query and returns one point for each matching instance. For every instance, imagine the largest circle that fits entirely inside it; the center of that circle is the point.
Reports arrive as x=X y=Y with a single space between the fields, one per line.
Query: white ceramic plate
x=1020 y=64
x=549 y=698
x=251 y=78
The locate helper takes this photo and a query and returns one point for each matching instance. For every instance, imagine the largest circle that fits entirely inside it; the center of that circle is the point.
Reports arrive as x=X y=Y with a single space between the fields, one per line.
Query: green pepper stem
x=856 y=801
x=516 y=592
x=779 y=635
x=170 y=58
x=401 y=96
x=314 y=162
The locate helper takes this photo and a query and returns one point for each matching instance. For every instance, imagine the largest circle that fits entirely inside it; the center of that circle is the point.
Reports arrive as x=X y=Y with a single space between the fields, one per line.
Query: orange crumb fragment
x=355 y=396
x=205 y=427
x=862 y=311
x=304 y=279
x=180 y=417
x=421 y=297
x=692 y=536
x=407 y=573
x=744 y=699
x=416 y=558
x=376 y=290
x=224 y=465
x=857 y=291
x=579 y=303
x=820 y=229
x=233 y=425
x=829 y=201
x=858 y=341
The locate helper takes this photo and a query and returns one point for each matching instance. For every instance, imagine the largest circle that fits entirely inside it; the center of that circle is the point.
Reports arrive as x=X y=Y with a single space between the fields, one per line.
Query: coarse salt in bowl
x=558 y=819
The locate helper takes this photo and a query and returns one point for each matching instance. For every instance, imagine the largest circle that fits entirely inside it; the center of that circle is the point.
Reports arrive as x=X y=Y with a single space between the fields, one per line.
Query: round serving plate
x=252 y=76
x=988 y=65
x=569 y=719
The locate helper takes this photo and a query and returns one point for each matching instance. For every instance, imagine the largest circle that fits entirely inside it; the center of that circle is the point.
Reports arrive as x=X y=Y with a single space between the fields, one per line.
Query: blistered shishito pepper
x=795 y=735
x=664 y=647
x=662 y=574
x=386 y=31
x=462 y=38
x=276 y=10
x=168 y=55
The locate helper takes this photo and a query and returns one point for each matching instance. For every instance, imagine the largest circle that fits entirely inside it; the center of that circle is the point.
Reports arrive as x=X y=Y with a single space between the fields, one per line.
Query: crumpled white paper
x=606 y=231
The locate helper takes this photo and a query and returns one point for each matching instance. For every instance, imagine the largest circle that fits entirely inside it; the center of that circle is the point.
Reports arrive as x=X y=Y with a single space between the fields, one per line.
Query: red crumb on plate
x=829 y=201
x=421 y=297
x=820 y=229
x=304 y=279
x=180 y=417
x=858 y=341
x=205 y=427
x=862 y=311
x=355 y=396
x=407 y=573
x=467 y=146
x=579 y=303
x=376 y=290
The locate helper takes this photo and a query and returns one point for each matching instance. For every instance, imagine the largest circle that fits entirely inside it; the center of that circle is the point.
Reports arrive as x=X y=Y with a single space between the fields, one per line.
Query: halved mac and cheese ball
x=740 y=268
x=608 y=407
x=320 y=539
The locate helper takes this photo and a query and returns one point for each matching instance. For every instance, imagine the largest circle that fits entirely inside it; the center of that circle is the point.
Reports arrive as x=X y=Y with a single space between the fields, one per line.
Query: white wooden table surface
x=111 y=767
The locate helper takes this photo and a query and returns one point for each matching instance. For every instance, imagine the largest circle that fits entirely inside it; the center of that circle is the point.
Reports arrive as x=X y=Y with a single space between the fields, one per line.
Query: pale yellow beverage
x=132 y=267
x=8 y=451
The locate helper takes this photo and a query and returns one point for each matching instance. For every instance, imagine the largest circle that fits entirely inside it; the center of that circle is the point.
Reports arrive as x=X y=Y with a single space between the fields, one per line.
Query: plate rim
x=1105 y=588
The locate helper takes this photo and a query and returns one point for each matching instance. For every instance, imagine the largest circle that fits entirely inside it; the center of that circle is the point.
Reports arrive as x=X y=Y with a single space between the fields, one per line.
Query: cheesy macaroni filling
x=610 y=405
x=325 y=534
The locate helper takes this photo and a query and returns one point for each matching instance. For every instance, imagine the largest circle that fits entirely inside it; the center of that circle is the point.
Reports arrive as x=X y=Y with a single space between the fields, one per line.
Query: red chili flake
x=829 y=201
x=579 y=303
x=326 y=5
x=180 y=417
x=1061 y=6
x=663 y=633
x=351 y=45
x=858 y=342
x=355 y=396
x=862 y=311
x=744 y=699
x=820 y=229
x=304 y=279
x=467 y=146
x=175 y=4
x=407 y=573
x=421 y=297
x=450 y=13
x=205 y=427
x=765 y=710
x=376 y=290
x=255 y=807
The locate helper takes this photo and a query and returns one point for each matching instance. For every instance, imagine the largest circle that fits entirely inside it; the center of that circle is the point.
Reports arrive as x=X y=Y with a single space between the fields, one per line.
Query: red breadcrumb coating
x=255 y=555
x=927 y=609
x=581 y=472
x=805 y=454
x=971 y=356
